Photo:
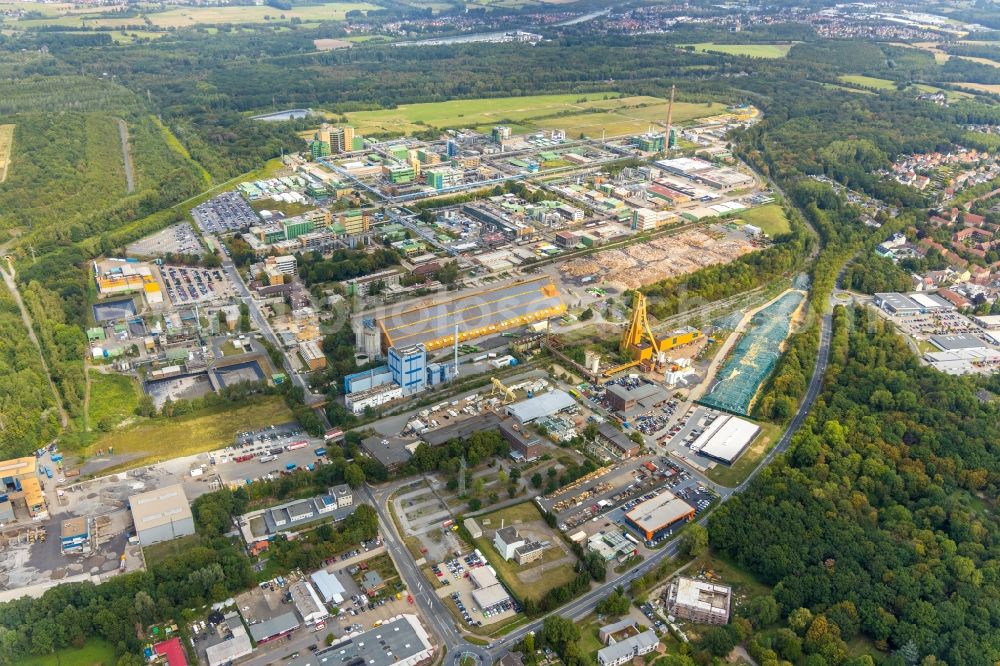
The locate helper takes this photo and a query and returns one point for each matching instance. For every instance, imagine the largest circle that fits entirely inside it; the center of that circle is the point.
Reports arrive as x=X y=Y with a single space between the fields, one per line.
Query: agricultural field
x=6 y=144
x=623 y=115
x=981 y=87
x=770 y=218
x=868 y=81
x=187 y=16
x=163 y=438
x=748 y=50
x=113 y=399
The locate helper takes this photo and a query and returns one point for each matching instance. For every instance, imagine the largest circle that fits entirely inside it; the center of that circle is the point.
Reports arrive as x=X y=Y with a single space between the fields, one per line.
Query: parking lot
x=187 y=284
x=176 y=239
x=226 y=213
x=457 y=588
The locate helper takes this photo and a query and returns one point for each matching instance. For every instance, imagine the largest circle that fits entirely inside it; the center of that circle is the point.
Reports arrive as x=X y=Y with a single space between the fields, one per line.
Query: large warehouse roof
x=401 y=641
x=663 y=510
x=475 y=314
x=725 y=438
x=956 y=341
x=159 y=507
x=545 y=404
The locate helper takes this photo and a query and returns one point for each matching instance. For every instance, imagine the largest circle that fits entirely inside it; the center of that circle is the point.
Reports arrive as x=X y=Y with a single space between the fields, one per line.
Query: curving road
x=442 y=623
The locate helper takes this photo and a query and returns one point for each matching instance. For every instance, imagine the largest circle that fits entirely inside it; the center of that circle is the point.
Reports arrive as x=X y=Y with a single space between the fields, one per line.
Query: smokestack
x=670 y=119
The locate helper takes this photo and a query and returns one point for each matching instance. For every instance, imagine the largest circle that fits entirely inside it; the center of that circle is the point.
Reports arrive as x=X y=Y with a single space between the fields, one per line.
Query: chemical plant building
x=161 y=515
x=401 y=641
x=623 y=398
x=698 y=600
x=472 y=315
x=655 y=517
x=725 y=438
x=407 y=372
x=522 y=448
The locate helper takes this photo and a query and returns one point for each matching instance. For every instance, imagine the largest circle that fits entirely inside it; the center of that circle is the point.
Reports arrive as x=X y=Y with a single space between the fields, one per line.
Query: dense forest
x=881 y=519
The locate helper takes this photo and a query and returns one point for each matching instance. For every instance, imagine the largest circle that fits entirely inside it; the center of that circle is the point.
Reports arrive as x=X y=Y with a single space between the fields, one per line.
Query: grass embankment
x=868 y=81
x=163 y=438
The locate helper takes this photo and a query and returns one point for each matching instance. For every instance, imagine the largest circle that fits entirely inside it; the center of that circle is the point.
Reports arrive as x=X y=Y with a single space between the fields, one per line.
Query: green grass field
x=164 y=438
x=618 y=116
x=113 y=398
x=188 y=16
x=94 y=653
x=770 y=218
x=868 y=81
x=748 y=50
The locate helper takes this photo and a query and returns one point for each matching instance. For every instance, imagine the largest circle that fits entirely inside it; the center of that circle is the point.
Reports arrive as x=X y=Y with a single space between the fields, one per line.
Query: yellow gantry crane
x=500 y=389
x=638 y=331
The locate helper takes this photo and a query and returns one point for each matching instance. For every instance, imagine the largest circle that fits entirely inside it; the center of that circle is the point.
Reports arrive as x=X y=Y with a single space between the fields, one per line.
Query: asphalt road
x=441 y=621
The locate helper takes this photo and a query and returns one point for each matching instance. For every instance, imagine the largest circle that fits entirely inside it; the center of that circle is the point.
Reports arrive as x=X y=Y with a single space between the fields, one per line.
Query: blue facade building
x=408 y=366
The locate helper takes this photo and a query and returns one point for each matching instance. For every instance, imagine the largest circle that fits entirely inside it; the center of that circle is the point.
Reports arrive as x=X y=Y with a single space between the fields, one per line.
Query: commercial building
x=529 y=552
x=343 y=494
x=281 y=265
x=617 y=440
x=698 y=600
x=488 y=592
x=328 y=586
x=566 y=239
x=391 y=452
x=506 y=541
x=611 y=544
x=956 y=342
x=373 y=397
x=522 y=447
x=400 y=641
x=235 y=643
x=725 y=438
x=408 y=367
x=546 y=404
x=646 y=219
x=622 y=398
x=628 y=649
x=655 y=517
x=292 y=515
x=161 y=515
x=310 y=607
x=312 y=354
x=275 y=628
x=74 y=536
x=910 y=304
x=474 y=315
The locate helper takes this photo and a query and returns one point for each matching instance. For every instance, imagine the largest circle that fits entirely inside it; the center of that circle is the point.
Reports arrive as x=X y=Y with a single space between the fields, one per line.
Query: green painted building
x=295 y=227
x=319 y=148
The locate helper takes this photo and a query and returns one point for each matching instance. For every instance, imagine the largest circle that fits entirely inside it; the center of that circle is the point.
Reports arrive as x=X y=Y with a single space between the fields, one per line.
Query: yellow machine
x=641 y=344
x=499 y=388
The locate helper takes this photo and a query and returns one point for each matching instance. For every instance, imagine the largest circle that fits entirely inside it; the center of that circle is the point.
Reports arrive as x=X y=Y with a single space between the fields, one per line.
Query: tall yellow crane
x=638 y=330
x=499 y=388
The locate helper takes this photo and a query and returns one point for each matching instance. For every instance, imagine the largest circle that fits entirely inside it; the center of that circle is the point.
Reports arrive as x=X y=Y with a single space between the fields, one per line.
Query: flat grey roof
x=159 y=507
x=462 y=429
x=545 y=404
x=898 y=301
x=274 y=627
x=392 y=453
x=399 y=641
x=957 y=341
x=624 y=648
x=470 y=312
x=638 y=393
